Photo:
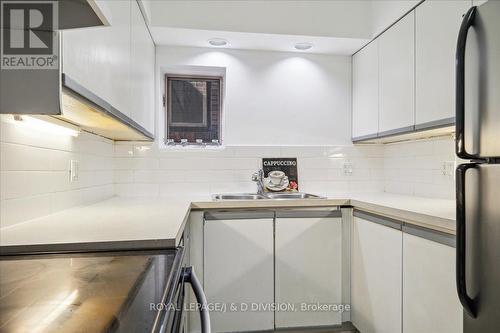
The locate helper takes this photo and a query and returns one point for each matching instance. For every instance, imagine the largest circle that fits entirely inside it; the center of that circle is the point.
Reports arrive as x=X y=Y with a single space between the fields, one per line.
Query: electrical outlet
x=448 y=168
x=73 y=170
x=348 y=168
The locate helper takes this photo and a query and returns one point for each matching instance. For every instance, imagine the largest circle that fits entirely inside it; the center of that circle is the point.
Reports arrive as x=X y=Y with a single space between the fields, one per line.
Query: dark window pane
x=193 y=109
x=188 y=103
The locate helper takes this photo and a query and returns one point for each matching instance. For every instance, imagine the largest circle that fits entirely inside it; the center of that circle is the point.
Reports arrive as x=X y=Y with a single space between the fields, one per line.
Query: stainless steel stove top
x=92 y=292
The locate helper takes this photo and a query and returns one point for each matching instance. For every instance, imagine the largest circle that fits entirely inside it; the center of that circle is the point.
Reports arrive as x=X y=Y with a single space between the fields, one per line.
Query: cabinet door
x=397 y=79
x=430 y=301
x=238 y=256
x=308 y=270
x=365 y=91
x=376 y=256
x=437 y=25
x=142 y=71
x=99 y=58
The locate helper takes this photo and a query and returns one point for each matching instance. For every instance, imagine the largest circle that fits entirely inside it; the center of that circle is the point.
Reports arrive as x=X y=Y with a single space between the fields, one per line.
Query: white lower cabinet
x=308 y=270
x=402 y=282
x=376 y=266
x=430 y=301
x=238 y=264
x=399 y=282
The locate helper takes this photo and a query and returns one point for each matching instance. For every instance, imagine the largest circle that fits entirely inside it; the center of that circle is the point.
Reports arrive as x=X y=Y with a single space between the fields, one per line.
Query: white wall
x=274 y=98
x=34 y=172
x=386 y=12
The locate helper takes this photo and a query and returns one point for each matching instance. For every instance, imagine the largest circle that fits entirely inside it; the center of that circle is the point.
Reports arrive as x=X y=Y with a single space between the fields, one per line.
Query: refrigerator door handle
x=467 y=302
x=467 y=22
x=190 y=276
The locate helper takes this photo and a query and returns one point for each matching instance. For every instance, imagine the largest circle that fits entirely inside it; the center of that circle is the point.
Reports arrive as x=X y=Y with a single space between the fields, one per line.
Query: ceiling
x=332 y=26
x=256 y=41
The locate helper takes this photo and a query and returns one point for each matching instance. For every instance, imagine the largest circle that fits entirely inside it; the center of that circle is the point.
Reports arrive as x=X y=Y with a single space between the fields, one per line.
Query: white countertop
x=437 y=214
x=160 y=221
x=116 y=219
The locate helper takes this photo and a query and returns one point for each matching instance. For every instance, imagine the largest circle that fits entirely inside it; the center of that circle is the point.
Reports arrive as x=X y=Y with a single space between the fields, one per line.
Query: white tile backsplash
x=205 y=172
x=415 y=168
x=412 y=168
x=34 y=172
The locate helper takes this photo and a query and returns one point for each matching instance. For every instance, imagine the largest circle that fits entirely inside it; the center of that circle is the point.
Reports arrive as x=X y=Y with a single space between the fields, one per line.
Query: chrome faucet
x=258 y=177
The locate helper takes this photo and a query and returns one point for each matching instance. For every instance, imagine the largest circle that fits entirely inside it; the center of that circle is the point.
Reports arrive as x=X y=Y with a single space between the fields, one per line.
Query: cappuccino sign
x=280 y=174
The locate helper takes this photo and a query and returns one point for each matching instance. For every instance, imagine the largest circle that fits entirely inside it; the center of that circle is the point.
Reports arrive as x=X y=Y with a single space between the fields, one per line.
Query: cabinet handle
x=468 y=304
x=467 y=22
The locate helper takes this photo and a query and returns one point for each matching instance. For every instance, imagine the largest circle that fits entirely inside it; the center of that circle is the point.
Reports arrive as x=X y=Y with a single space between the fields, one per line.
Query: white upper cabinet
x=416 y=72
x=116 y=62
x=99 y=58
x=437 y=25
x=430 y=301
x=397 y=75
x=102 y=10
x=142 y=71
x=365 y=91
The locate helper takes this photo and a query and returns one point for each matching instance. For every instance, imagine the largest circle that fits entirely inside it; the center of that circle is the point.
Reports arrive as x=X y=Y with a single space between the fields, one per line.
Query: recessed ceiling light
x=217 y=42
x=303 y=46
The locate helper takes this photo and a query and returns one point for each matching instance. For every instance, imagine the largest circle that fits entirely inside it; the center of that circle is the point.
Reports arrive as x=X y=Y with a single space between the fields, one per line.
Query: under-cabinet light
x=53 y=126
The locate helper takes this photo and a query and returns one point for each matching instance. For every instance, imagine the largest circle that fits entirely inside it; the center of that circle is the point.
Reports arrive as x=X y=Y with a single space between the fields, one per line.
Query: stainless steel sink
x=272 y=196
x=238 y=196
x=294 y=195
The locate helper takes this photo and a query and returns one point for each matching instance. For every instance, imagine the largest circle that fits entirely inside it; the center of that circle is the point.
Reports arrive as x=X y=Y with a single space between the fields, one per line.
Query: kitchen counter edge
x=425 y=220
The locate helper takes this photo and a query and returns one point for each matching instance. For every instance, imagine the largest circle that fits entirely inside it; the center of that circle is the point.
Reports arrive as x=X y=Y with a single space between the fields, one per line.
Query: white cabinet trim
x=429 y=234
x=308 y=213
x=435 y=236
x=436 y=124
x=242 y=215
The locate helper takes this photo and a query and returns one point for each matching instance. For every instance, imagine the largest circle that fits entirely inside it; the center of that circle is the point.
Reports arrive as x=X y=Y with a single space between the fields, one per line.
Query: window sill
x=193 y=147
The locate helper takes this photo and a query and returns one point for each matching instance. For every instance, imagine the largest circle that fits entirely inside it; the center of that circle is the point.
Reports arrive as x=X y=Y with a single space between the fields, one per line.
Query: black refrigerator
x=478 y=177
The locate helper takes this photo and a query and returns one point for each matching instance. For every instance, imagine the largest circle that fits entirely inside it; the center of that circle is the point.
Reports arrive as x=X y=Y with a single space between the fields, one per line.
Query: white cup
x=276 y=177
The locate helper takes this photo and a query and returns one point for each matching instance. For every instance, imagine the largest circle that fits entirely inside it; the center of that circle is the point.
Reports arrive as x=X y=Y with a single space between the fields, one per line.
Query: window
x=193 y=107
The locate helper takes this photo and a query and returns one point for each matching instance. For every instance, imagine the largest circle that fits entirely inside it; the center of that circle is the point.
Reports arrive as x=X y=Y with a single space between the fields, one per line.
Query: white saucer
x=276 y=188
